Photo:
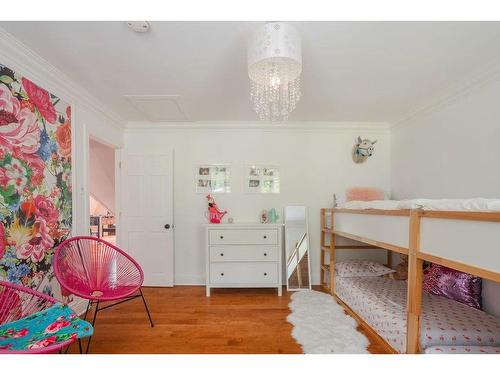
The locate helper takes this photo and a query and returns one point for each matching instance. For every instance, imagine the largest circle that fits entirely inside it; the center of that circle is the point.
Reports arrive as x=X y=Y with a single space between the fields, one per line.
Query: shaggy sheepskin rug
x=320 y=325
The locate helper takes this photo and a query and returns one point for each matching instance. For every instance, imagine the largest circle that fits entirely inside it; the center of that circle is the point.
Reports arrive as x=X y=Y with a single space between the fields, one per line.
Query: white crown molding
x=17 y=56
x=479 y=78
x=316 y=126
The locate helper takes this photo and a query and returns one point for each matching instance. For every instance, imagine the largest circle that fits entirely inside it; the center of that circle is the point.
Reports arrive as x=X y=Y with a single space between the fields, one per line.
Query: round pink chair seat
x=96 y=270
x=106 y=293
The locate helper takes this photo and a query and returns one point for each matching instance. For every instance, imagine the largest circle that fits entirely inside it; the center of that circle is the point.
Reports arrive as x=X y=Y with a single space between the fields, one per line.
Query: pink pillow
x=364 y=194
x=459 y=286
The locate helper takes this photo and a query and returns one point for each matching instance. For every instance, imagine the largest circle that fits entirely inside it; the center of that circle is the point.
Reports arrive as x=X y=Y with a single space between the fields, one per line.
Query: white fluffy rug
x=322 y=327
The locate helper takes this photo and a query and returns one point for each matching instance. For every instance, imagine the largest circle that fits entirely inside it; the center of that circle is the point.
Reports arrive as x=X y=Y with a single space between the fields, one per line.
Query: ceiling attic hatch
x=159 y=108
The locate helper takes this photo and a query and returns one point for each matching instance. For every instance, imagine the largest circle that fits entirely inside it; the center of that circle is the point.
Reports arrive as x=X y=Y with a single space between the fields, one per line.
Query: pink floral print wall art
x=35 y=181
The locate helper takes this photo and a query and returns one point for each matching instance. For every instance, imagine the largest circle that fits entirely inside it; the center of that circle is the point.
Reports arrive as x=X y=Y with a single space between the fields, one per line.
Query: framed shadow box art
x=212 y=179
x=262 y=179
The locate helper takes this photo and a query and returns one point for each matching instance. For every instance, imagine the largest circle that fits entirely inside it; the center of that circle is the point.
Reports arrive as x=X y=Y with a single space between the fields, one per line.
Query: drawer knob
x=265 y=236
x=265 y=273
x=221 y=254
x=265 y=254
x=221 y=237
x=222 y=273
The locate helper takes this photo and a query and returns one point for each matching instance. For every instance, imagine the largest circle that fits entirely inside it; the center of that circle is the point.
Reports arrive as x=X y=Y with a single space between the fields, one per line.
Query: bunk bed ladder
x=327 y=265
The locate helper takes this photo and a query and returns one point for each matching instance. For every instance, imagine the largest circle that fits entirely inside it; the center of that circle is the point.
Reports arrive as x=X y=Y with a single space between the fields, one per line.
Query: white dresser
x=243 y=256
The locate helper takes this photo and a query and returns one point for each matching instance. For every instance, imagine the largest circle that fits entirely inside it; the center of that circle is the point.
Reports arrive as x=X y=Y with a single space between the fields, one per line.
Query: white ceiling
x=353 y=71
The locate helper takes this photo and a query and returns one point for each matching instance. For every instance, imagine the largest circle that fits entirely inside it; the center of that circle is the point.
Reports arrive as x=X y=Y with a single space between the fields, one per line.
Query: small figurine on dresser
x=269 y=217
x=272 y=216
x=214 y=214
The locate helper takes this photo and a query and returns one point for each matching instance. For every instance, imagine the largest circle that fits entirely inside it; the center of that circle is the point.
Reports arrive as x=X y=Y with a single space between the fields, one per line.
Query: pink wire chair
x=98 y=271
x=18 y=302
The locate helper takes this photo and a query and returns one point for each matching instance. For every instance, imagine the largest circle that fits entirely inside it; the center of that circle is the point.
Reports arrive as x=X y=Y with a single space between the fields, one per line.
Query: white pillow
x=354 y=268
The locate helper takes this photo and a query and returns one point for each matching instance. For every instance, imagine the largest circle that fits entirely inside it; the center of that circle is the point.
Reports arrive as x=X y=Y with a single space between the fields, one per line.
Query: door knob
x=167 y=226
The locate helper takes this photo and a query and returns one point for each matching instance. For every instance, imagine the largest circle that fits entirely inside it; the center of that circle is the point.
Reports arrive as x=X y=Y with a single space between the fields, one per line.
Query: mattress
x=381 y=302
x=463 y=350
x=474 y=204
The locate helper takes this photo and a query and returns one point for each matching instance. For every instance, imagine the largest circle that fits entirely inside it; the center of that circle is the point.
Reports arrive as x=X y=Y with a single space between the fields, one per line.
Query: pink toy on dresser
x=214 y=214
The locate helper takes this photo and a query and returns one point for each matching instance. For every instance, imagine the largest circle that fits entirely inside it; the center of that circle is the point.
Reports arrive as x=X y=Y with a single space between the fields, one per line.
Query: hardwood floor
x=231 y=321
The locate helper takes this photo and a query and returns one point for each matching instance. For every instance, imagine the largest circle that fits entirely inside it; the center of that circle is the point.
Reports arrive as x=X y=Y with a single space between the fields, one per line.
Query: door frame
x=86 y=193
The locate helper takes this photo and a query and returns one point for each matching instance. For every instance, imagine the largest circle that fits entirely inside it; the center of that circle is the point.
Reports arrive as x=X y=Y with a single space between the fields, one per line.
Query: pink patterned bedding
x=381 y=302
x=463 y=350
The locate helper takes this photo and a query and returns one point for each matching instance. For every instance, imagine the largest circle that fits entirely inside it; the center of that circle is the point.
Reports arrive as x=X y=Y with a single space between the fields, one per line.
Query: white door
x=147 y=212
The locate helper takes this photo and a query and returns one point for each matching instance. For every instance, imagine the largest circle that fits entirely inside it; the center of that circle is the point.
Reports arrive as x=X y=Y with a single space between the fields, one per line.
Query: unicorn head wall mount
x=362 y=150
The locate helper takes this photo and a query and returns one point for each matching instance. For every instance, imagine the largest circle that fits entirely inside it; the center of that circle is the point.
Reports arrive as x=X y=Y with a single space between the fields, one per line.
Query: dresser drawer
x=243 y=237
x=231 y=253
x=244 y=273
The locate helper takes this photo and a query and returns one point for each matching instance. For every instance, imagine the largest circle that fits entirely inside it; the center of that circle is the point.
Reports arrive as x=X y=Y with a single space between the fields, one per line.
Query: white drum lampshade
x=274 y=68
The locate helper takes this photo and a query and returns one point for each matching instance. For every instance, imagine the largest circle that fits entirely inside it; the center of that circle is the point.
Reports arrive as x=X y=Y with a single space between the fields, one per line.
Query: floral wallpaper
x=35 y=181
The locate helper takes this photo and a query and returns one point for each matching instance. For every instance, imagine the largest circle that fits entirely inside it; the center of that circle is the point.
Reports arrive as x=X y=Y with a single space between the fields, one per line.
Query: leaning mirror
x=298 y=268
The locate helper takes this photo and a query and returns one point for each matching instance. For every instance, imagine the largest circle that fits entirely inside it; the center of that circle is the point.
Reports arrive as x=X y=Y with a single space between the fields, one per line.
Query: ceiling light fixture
x=274 y=68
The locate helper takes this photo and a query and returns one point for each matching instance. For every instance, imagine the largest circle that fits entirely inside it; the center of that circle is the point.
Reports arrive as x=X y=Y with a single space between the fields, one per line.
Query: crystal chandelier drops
x=274 y=68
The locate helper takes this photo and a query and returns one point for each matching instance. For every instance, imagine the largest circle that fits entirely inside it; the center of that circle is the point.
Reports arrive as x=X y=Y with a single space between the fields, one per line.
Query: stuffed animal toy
x=401 y=269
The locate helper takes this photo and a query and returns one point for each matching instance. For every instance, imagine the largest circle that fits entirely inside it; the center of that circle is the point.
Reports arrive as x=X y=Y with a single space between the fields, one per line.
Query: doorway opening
x=102 y=196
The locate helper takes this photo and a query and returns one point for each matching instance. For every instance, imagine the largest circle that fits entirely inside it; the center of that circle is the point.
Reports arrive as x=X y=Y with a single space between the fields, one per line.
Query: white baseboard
x=189 y=280
x=200 y=280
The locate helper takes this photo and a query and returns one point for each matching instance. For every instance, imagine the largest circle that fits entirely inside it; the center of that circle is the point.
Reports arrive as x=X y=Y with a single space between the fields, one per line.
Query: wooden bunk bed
x=467 y=241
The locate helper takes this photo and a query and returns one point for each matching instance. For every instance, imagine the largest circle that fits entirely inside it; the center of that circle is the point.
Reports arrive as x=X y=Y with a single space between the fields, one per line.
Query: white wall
x=452 y=151
x=96 y=208
x=315 y=161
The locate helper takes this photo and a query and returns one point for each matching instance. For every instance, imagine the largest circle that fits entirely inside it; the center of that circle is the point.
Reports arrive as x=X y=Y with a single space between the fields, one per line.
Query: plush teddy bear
x=401 y=269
